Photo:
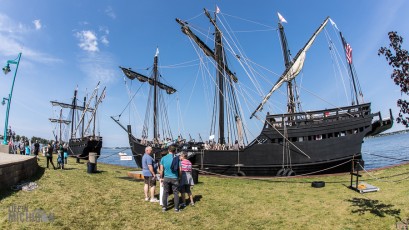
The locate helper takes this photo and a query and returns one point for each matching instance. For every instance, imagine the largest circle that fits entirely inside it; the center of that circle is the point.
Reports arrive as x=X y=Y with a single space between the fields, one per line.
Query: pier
x=15 y=168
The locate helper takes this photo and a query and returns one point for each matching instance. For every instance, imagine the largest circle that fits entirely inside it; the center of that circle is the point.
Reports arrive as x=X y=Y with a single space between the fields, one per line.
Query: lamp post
x=6 y=70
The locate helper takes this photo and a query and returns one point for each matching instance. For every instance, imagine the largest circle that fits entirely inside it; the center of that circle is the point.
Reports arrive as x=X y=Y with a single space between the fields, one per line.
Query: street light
x=6 y=70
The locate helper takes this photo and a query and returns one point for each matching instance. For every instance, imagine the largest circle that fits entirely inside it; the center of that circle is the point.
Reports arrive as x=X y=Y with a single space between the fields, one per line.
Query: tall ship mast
x=157 y=122
x=83 y=138
x=293 y=143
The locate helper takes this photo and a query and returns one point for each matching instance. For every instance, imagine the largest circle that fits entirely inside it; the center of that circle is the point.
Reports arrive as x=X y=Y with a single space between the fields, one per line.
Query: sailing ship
x=293 y=143
x=83 y=138
x=138 y=145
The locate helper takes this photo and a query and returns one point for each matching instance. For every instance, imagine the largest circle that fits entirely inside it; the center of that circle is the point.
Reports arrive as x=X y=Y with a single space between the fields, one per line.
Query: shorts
x=150 y=180
x=185 y=188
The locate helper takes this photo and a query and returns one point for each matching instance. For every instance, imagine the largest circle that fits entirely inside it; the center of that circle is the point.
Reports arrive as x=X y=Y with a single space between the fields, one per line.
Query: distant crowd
x=180 y=142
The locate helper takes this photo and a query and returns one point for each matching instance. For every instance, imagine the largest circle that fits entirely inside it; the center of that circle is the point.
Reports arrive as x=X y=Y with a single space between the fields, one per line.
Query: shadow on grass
x=8 y=191
x=375 y=207
x=129 y=178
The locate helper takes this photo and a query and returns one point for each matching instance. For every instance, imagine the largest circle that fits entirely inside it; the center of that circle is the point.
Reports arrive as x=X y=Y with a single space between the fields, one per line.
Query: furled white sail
x=294 y=69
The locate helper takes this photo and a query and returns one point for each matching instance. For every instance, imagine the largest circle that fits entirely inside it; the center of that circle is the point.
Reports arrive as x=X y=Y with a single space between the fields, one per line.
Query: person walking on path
x=170 y=179
x=186 y=180
x=49 y=155
x=36 y=149
x=149 y=170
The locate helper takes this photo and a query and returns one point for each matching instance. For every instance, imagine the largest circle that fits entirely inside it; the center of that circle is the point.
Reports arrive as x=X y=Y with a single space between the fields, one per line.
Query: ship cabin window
x=318 y=137
x=280 y=140
x=300 y=139
x=361 y=129
x=293 y=139
x=330 y=135
x=343 y=133
x=310 y=138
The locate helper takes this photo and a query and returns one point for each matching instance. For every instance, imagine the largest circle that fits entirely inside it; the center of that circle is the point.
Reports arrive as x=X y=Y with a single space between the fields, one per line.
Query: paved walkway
x=6 y=158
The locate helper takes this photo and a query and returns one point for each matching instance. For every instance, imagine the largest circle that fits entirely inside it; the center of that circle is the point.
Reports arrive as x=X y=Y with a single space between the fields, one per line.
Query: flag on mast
x=281 y=18
x=217 y=9
x=348 y=52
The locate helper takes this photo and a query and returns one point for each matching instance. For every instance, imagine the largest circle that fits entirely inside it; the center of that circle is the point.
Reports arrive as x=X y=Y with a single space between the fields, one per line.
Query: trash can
x=92 y=157
x=195 y=175
x=92 y=162
x=91 y=167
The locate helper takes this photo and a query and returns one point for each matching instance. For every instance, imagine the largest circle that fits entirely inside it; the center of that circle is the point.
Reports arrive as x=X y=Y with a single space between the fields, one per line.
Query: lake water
x=393 y=146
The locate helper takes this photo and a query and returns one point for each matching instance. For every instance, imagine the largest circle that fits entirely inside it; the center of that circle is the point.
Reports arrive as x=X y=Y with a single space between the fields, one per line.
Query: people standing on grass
x=170 y=179
x=27 y=149
x=149 y=169
x=22 y=147
x=49 y=155
x=186 y=180
x=66 y=153
x=60 y=156
x=36 y=149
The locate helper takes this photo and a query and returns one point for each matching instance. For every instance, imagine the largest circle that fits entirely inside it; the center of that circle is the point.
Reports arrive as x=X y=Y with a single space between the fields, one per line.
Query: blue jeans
x=170 y=185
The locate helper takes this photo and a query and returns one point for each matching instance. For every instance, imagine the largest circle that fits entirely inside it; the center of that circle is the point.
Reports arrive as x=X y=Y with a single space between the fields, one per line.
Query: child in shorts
x=186 y=180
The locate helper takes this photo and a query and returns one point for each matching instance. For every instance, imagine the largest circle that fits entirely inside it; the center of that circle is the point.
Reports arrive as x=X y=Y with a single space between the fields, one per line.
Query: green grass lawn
x=110 y=200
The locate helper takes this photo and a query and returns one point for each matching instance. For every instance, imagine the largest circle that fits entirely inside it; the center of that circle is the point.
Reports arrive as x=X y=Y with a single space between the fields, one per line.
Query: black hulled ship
x=82 y=131
x=155 y=116
x=293 y=143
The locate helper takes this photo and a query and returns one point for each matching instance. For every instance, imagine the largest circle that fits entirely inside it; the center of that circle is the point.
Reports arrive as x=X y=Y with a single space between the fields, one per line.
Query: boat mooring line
x=379 y=179
x=274 y=177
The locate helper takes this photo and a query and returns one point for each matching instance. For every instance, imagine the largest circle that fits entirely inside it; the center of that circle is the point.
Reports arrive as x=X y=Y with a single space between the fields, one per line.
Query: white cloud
x=14 y=38
x=99 y=67
x=110 y=12
x=37 y=24
x=104 y=40
x=88 y=40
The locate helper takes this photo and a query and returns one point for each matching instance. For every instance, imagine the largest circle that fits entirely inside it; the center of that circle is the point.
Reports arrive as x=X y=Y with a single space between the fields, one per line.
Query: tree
x=398 y=58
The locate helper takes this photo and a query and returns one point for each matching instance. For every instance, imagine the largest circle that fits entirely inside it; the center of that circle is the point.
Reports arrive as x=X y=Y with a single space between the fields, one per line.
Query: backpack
x=175 y=164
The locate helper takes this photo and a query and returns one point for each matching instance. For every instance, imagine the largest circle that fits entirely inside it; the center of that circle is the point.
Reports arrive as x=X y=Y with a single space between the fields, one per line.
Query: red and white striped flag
x=348 y=52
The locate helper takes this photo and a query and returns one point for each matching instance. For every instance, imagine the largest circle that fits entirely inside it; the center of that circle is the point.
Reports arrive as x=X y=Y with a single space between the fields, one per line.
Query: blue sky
x=70 y=43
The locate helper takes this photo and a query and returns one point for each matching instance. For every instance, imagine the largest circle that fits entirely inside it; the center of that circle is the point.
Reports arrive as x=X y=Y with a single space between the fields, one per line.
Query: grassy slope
x=108 y=200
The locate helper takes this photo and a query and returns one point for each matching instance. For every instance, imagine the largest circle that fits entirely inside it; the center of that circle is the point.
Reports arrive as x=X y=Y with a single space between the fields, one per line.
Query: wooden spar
x=287 y=62
x=154 y=81
x=155 y=99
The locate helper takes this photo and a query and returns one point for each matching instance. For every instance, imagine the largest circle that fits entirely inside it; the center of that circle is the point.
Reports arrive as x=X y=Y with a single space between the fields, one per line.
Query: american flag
x=348 y=51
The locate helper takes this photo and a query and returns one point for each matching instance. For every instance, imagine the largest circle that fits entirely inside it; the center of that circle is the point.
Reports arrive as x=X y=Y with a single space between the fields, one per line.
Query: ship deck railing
x=319 y=116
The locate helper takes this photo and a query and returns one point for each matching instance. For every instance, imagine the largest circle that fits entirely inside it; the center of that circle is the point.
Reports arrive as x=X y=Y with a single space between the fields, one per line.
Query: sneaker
x=192 y=204
x=154 y=200
x=147 y=199
x=177 y=210
x=163 y=209
x=182 y=205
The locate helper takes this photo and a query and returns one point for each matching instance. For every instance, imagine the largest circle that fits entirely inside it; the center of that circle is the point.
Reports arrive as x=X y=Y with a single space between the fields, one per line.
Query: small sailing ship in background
x=82 y=132
x=296 y=142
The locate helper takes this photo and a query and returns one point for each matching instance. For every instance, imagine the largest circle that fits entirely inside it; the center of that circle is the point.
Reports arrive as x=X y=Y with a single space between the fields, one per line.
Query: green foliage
x=398 y=58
